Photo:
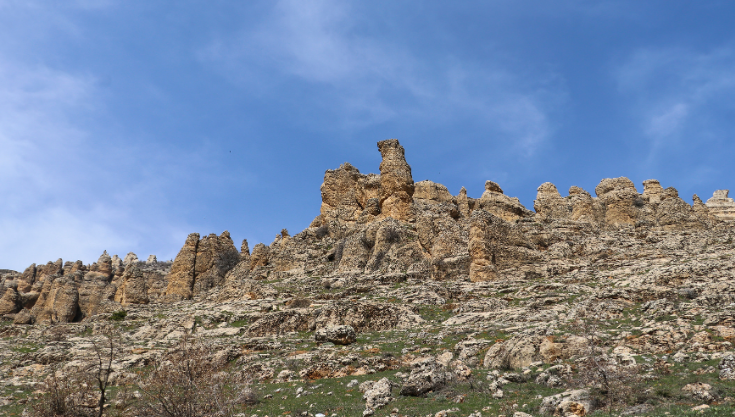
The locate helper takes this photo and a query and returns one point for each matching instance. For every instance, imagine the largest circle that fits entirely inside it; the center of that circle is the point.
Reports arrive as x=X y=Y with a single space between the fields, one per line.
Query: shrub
x=187 y=383
x=119 y=315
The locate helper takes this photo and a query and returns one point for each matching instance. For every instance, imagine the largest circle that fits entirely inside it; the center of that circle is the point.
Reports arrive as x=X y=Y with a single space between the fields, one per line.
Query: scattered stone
x=339 y=335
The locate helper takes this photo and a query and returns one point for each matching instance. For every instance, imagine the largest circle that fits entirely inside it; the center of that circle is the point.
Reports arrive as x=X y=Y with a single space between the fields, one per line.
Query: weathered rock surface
x=339 y=335
x=202 y=264
x=721 y=206
x=426 y=375
x=451 y=287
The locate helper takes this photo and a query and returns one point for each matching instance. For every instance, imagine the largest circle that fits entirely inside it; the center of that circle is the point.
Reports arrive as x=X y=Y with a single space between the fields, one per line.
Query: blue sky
x=126 y=125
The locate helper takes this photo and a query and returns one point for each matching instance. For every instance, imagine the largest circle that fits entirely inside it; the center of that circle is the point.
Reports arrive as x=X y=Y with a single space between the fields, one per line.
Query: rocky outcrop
x=494 y=244
x=550 y=205
x=104 y=264
x=181 y=277
x=721 y=206
x=620 y=200
x=507 y=208
x=432 y=192
x=396 y=182
x=130 y=257
x=133 y=287
x=201 y=264
x=58 y=302
x=10 y=302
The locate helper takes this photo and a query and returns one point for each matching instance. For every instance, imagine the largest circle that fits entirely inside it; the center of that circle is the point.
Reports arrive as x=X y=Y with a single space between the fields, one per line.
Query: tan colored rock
x=23 y=317
x=620 y=199
x=700 y=209
x=60 y=303
x=495 y=243
x=353 y=253
x=216 y=255
x=201 y=265
x=480 y=247
x=133 y=289
x=151 y=260
x=181 y=277
x=721 y=206
x=652 y=191
x=465 y=204
x=550 y=205
x=245 y=252
x=96 y=293
x=432 y=192
x=10 y=302
x=507 y=208
x=29 y=274
x=585 y=209
x=49 y=270
x=517 y=352
x=673 y=213
x=130 y=257
x=396 y=182
x=340 y=194
x=104 y=264
x=259 y=256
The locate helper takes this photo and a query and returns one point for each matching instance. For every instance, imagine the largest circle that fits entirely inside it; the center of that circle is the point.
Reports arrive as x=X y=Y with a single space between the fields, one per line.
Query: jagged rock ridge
x=370 y=223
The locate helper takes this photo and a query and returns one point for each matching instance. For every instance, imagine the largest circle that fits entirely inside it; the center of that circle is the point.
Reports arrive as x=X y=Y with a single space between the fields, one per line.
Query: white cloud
x=366 y=79
x=676 y=90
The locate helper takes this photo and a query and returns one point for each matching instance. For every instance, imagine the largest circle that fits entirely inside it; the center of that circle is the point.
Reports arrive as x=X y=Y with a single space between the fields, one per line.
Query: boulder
x=23 y=317
x=727 y=367
x=572 y=402
x=151 y=260
x=517 y=352
x=426 y=375
x=700 y=391
x=339 y=335
x=376 y=394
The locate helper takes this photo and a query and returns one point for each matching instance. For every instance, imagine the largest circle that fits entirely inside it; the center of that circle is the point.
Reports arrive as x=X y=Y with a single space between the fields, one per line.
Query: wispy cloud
x=678 y=93
x=367 y=79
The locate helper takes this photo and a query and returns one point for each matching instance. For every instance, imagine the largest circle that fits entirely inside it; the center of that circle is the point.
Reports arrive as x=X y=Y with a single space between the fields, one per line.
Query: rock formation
x=440 y=290
x=201 y=264
x=721 y=206
x=396 y=182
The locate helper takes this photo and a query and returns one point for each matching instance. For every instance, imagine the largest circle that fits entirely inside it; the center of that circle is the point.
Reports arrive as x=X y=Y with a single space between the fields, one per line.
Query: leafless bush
x=612 y=383
x=81 y=392
x=186 y=383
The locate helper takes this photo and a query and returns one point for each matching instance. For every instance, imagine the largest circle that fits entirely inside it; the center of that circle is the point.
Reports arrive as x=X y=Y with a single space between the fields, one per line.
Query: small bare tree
x=615 y=383
x=186 y=383
x=81 y=392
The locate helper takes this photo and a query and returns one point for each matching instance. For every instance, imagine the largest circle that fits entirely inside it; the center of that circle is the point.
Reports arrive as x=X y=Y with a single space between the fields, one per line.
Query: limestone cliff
x=374 y=225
